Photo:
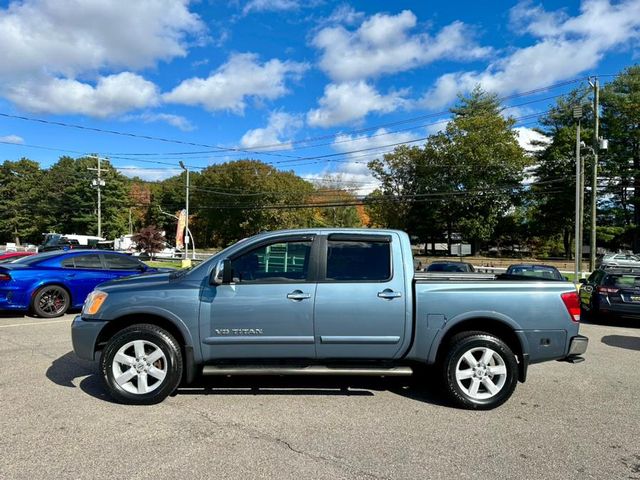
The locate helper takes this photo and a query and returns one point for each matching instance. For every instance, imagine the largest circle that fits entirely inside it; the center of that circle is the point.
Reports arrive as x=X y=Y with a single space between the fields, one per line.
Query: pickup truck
x=325 y=302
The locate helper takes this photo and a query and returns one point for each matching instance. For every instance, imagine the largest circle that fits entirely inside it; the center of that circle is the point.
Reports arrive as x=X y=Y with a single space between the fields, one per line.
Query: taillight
x=607 y=290
x=572 y=303
x=4 y=277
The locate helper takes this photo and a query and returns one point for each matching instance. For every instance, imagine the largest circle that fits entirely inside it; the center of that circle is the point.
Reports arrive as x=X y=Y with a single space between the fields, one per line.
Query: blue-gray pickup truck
x=325 y=302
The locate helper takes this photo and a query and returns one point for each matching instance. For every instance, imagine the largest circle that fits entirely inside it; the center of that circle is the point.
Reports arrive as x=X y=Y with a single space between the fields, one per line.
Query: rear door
x=360 y=300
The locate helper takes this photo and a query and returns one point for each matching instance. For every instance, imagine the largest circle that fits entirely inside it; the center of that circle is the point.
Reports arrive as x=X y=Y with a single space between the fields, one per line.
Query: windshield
x=622 y=281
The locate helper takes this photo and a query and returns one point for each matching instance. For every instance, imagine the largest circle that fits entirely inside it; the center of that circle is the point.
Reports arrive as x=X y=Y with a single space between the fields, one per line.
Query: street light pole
x=577 y=114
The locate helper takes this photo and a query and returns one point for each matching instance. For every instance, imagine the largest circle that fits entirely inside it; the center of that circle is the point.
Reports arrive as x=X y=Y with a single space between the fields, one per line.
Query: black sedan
x=611 y=292
x=546 y=272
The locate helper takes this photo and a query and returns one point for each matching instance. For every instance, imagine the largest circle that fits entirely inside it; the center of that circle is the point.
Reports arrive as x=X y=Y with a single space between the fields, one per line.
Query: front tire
x=50 y=301
x=141 y=365
x=479 y=371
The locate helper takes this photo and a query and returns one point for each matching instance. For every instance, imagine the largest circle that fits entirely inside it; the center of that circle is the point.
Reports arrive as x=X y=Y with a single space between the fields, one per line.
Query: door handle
x=298 y=295
x=389 y=294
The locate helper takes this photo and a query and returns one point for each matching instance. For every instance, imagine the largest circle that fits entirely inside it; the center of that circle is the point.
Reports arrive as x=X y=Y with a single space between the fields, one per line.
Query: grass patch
x=167 y=264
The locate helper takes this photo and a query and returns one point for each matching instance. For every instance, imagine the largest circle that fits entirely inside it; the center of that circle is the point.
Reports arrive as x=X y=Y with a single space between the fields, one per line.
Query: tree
x=553 y=208
x=23 y=215
x=237 y=199
x=462 y=180
x=150 y=240
x=620 y=101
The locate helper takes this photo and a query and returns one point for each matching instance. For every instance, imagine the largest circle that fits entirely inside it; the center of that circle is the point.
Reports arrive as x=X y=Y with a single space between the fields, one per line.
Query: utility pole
x=577 y=114
x=186 y=236
x=98 y=183
x=594 y=179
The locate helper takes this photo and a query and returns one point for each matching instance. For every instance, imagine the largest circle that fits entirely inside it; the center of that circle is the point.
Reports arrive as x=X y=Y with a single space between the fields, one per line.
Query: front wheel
x=141 y=365
x=480 y=371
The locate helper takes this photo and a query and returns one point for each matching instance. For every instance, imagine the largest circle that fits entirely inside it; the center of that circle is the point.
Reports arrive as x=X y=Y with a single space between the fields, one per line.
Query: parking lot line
x=35 y=323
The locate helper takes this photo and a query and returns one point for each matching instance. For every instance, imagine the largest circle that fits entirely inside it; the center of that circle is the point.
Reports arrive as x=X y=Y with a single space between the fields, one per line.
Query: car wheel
x=50 y=301
x=141 y=365
x=480 y=371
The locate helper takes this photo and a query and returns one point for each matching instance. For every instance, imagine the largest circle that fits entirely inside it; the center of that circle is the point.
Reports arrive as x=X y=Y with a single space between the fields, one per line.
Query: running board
x=312 y=370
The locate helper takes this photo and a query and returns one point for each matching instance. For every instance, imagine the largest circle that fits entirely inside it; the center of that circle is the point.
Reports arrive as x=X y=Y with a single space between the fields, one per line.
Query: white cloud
x=280 y=124
x=12 y=139
x=112 y=95
x=149 y=174
x=527 y=137
x=231 y=84
x=566 y=47
x=383 y=44
x=48 y=44
x=177 y=121
x=350 y=102
x=270 y=5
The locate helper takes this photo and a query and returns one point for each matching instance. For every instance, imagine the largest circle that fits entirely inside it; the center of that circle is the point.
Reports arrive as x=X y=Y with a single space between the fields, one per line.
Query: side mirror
x=566 y=278
x=582 y=280
x=222 y=274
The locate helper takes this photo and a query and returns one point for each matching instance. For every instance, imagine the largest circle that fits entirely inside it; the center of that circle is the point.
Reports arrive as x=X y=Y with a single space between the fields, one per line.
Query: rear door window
x=91 y=261
x=121 y=262
x=365 y=261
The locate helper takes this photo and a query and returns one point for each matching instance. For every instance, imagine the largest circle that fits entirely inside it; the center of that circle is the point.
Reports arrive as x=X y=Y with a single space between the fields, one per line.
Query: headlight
x=93 y=302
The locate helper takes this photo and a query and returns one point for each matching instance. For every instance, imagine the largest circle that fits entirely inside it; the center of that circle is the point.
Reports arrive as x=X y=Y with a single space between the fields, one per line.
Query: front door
x=360 y=309
x=267 y=312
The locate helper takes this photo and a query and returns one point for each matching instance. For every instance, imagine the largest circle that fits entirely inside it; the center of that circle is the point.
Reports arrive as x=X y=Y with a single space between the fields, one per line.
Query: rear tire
x=480 y=371
x=50 y=301
x=141 y=365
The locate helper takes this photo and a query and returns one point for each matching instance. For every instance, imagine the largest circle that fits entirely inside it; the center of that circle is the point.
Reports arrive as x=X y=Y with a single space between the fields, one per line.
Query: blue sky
x=284 y=81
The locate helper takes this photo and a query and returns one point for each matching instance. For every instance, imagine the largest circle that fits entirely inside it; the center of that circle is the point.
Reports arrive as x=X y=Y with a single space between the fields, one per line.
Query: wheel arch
x=114 y=326
x=53 y=283
x=500 y=328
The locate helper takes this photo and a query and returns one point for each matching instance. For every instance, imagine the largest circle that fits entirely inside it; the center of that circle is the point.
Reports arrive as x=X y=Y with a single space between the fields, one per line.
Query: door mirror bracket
x=222 y=274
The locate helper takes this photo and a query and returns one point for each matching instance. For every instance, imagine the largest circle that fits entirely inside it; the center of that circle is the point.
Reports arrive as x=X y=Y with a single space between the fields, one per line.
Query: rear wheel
x=50 y=301
x=141 y=365
x=480 y=371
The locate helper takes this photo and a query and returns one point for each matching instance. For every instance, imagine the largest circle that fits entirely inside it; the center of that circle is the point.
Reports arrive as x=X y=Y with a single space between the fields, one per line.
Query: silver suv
x=620 y=260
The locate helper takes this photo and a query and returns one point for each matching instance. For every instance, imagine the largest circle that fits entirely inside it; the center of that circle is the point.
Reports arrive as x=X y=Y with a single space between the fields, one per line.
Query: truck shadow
x=65 y=371
x=622 y=341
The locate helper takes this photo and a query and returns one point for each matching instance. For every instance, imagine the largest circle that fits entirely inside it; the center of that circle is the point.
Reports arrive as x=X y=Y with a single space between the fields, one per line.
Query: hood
x=135 y=281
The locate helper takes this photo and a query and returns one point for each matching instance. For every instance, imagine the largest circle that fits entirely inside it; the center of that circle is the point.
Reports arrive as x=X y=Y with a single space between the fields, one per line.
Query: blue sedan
x=48 y=284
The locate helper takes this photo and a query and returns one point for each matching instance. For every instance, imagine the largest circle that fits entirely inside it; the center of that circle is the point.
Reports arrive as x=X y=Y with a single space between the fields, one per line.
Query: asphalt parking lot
x=568 y=421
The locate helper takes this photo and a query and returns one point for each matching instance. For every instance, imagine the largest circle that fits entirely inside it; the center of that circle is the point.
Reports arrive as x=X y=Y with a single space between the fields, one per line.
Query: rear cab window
x=353 y=258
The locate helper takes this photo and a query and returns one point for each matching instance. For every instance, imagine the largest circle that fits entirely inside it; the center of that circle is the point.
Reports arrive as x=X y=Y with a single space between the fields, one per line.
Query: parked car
x=612 y=292
x=449 y=266
x=612 y=260
x=324 y=302
x=48 y=284
x=13 y=256
x=546 y=272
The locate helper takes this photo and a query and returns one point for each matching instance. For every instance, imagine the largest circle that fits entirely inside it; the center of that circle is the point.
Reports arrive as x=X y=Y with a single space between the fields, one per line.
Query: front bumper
x=84 y=335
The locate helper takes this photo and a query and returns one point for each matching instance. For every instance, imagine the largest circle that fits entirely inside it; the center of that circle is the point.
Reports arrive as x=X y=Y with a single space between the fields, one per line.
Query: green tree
x=22 y=212
x=237 y=199
x=553 y=207
x=620 y=101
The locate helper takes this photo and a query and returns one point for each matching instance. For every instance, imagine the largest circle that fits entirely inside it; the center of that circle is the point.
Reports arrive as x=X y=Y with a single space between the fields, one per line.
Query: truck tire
x=141 y=365
x=479 y=371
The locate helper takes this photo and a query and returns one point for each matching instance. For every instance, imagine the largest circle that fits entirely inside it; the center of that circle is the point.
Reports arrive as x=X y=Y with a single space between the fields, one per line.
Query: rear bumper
x=621 y=309
x=84 y=334
x=577 y=347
